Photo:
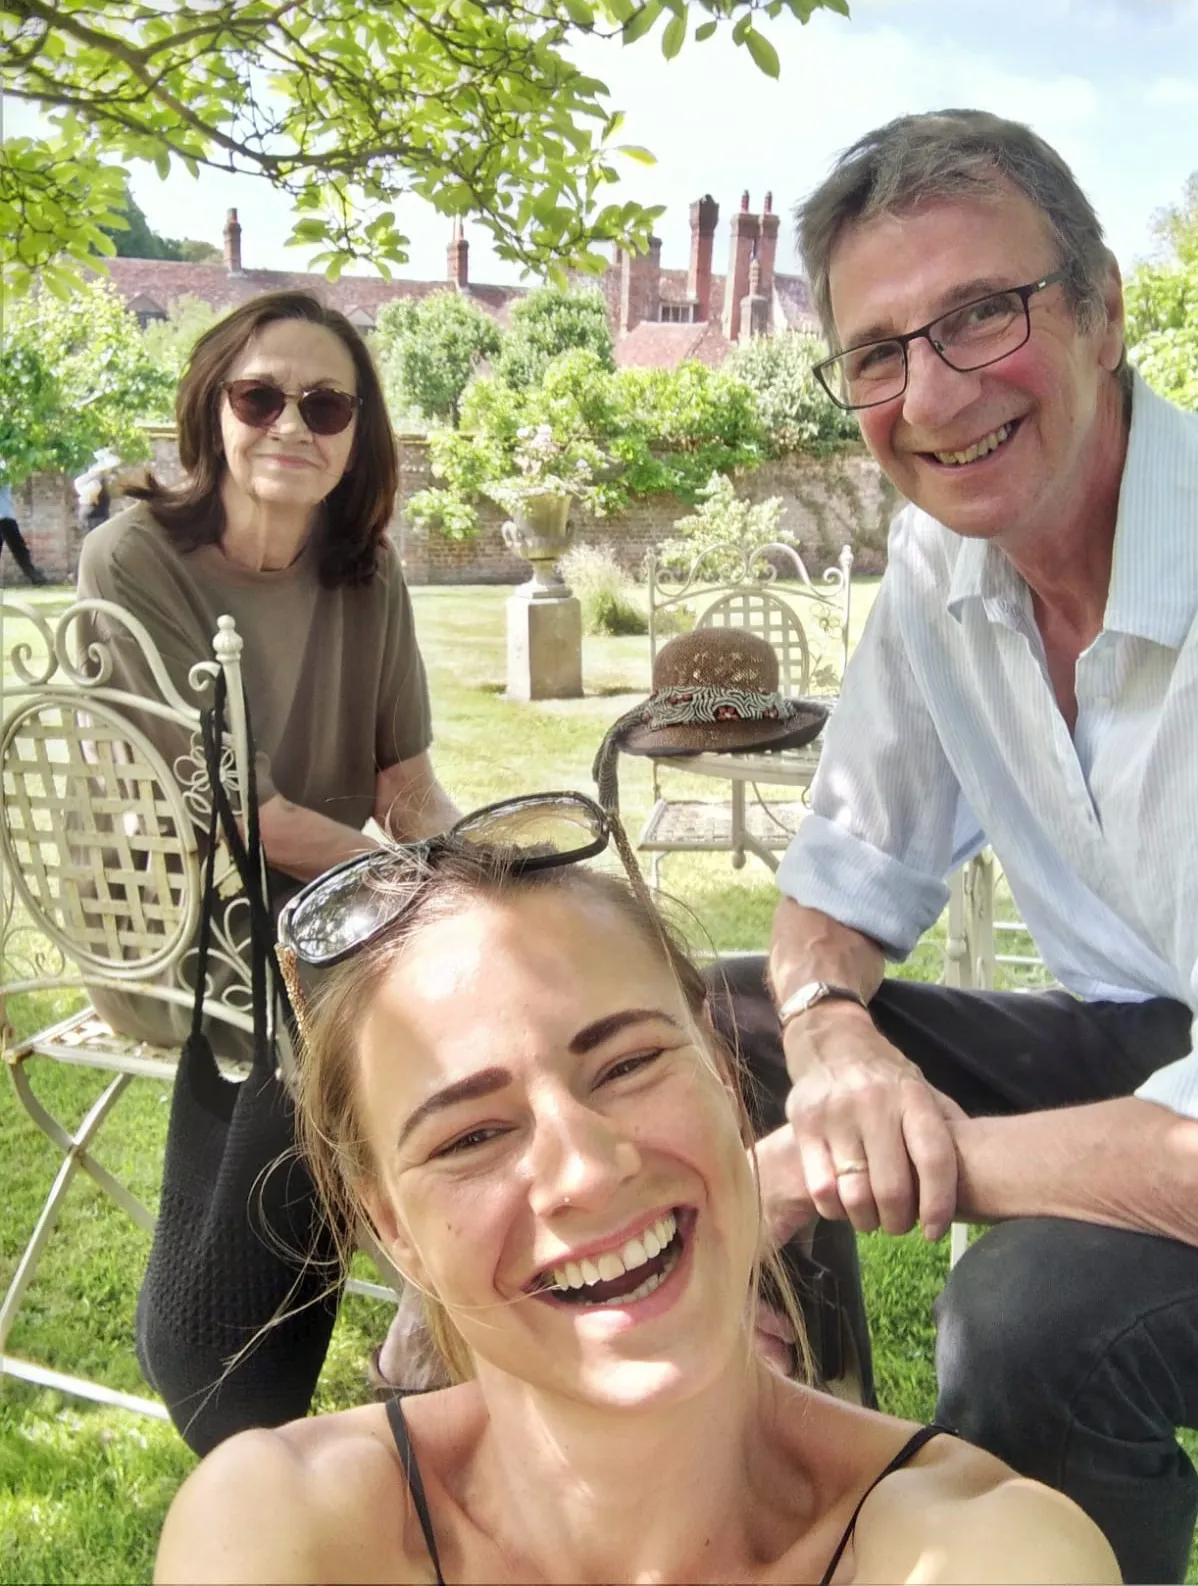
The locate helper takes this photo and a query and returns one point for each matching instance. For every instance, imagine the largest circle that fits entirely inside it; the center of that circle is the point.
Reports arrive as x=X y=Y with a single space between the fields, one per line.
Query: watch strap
x=812 y=994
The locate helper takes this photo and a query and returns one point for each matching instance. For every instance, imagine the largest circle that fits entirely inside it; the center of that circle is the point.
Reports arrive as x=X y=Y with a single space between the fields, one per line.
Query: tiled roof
x=161 y=281
x=651 y=345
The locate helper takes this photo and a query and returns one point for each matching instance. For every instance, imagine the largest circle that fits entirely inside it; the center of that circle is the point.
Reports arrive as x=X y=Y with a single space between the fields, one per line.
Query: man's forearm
x=809 y=945
x=1125 y=1164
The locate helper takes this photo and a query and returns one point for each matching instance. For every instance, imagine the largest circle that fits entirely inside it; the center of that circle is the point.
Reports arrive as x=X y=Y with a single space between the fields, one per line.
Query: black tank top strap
x=403 y=1442
x=908 y=1452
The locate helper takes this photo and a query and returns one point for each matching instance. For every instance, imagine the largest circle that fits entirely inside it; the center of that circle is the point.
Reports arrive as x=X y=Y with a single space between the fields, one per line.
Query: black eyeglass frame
x=381 y=859
x=924 y=332
x=298 y=397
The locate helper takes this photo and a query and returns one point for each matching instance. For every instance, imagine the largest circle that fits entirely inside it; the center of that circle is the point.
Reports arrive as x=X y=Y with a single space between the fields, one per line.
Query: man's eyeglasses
x=258 y=403
x=351 y=905
x=966 y=338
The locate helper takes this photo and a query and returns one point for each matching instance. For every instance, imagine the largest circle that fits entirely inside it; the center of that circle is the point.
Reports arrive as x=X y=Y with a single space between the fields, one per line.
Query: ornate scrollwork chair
x=101 y=883
x=767 y=590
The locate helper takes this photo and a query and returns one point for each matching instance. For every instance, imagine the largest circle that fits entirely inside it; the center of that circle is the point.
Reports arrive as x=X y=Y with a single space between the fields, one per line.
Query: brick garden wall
x=825 y=504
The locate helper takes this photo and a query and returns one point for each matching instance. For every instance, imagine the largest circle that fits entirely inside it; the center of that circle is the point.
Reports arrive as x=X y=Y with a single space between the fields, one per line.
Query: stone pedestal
x=544 y=648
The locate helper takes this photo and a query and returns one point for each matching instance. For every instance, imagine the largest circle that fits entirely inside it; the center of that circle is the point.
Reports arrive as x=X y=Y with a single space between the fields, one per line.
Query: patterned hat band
x=678 y=707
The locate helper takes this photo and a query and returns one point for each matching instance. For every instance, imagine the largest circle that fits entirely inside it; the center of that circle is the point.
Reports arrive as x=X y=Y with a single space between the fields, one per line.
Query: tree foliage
x=168 y=342
x=474 y=105
x=1161 y=298
x=429 y=350
x=75 y=376
x=547 y=322
x=135 y=238
x=795 y=412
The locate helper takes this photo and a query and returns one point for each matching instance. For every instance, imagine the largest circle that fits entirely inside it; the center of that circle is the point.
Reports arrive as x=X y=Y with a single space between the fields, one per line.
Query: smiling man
x=1028 y=677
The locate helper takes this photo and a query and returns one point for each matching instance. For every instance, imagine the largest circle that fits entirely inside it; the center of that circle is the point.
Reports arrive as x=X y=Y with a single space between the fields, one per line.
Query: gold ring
x=845 y=1168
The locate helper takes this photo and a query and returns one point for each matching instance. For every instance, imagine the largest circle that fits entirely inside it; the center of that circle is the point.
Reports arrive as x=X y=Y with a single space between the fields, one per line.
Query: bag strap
x=248 y=858
x=207 y=902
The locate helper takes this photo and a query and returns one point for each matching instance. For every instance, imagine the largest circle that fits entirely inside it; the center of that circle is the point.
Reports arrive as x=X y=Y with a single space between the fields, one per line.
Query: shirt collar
x=1154 y=573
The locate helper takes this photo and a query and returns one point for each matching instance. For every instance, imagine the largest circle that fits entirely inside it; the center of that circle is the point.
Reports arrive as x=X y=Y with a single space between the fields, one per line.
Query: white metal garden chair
x=767 y=591
x=101 y=884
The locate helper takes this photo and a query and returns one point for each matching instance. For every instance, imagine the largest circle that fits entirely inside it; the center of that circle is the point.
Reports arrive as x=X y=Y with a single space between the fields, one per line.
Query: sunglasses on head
x=323 y=409
x=351 y=905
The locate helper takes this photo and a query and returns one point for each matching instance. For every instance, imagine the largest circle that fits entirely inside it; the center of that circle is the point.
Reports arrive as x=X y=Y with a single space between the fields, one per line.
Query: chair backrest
x=103 y=824
x=767 y=590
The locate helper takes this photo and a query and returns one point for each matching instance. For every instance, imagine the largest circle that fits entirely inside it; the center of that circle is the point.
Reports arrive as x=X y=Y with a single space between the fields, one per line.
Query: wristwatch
x=816 y=991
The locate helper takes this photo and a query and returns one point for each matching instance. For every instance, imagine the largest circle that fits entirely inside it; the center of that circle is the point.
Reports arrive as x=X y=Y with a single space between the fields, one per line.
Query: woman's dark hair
x=357 y=510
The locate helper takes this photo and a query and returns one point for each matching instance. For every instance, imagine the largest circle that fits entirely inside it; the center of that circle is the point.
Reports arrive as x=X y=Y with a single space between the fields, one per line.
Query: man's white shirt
x=948 y=729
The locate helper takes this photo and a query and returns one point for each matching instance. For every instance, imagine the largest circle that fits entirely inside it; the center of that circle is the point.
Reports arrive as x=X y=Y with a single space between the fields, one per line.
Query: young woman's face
x=560 y=1163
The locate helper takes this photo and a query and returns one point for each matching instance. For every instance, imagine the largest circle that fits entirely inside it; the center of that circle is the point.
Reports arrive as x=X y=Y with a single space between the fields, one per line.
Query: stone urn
x=539 y=530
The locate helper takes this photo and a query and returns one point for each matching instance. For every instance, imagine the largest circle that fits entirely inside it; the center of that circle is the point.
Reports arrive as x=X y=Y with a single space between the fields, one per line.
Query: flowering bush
x=544 y=466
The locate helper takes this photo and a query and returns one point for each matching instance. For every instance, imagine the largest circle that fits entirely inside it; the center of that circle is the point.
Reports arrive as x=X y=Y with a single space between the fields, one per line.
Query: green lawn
x=83 y=1491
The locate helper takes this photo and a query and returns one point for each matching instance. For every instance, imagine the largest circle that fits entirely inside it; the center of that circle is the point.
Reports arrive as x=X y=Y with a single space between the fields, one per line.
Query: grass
x=83 y=1490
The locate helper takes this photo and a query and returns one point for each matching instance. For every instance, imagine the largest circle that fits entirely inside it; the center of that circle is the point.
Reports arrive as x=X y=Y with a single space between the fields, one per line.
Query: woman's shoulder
x=312 y=1501
x=131 y=541
x=956 y=1513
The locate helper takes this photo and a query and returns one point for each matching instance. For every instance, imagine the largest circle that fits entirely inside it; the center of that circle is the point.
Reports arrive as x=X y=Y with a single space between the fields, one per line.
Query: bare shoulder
x=304 y=1502
x=958 y=1514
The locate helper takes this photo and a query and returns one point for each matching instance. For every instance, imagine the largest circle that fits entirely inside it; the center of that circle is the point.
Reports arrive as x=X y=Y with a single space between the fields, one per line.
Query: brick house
x=658 y=317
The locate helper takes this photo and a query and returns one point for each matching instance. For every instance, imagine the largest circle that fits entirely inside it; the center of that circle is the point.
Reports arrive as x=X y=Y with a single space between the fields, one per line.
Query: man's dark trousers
x=1068 y=1349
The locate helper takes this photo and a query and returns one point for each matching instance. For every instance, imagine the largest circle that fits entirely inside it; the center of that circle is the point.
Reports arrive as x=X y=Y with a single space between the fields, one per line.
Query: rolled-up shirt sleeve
x=887 y=818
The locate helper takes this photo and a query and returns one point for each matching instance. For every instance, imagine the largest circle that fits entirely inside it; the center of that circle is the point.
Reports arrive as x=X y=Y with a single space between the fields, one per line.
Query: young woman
x=510 y=1070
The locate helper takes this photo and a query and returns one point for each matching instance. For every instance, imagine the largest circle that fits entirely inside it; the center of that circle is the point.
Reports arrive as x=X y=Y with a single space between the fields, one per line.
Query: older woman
x=510 y=1069
x=281 y=521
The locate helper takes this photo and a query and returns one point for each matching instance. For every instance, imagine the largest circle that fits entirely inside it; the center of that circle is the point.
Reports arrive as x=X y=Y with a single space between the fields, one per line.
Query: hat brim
x=727 y=737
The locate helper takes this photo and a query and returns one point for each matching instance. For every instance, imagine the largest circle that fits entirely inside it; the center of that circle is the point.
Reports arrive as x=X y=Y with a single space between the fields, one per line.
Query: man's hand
x=873 y=1136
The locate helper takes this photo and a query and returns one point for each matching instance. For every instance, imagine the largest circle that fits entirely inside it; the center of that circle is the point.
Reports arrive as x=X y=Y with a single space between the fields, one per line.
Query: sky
x=1112 y=84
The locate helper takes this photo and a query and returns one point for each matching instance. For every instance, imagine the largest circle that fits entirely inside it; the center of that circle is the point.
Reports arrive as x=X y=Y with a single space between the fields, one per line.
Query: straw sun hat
x=714 y=690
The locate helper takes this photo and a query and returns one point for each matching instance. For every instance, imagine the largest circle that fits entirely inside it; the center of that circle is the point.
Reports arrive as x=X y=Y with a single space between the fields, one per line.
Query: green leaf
x=633 y=151
x=674 y=37
x=765 y=56
x=704 y=31
x=641 y=21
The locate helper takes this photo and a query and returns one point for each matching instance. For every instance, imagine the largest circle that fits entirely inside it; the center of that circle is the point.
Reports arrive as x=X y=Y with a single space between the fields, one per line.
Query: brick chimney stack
x=744 y=233
x=640 y=285
x=705 y=215
x=457 y=257
x=232 y=244
x=755 y=308
x=767 y=253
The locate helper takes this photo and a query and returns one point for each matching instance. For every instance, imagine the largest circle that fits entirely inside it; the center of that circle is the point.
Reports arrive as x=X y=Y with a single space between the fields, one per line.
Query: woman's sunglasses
x=351 y=905
x=259 y=403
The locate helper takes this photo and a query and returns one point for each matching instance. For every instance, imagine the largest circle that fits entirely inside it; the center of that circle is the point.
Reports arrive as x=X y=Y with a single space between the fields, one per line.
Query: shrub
x=610 y=603
x=638 y=431
x=796 y=415
x=723 y=531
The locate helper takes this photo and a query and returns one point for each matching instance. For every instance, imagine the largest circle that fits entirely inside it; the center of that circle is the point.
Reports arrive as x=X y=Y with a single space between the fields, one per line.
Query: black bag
x=243 y=1282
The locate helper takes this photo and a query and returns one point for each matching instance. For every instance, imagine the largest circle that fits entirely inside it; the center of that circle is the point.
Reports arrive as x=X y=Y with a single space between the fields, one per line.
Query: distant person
x=93 y=491
x=11 y=536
